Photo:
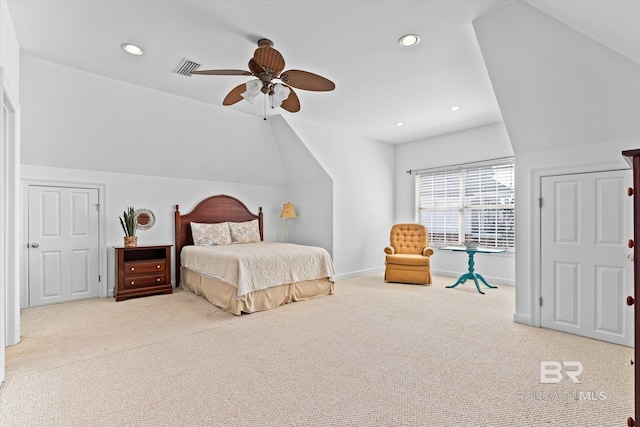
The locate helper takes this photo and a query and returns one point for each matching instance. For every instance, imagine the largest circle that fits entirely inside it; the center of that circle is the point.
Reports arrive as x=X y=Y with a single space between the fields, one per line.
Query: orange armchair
x=407 y=259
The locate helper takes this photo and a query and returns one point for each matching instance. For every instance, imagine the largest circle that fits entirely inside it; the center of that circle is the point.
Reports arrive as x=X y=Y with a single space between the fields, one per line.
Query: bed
x=246 y=277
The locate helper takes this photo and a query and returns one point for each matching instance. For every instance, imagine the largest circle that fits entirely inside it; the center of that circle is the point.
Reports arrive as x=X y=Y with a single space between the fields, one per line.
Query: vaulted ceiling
x=353 y=43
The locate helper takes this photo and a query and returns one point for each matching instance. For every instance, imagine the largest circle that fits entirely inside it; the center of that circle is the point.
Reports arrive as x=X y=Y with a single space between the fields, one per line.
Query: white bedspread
x=255 y=266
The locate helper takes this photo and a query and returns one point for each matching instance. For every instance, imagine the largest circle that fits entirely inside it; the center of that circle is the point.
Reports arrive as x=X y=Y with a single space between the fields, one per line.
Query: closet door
x=586 y=271
x=63 y=244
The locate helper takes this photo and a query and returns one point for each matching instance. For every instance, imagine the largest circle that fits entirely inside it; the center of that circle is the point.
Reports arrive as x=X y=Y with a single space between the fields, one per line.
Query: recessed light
x=399 y=124
x=132 y=49
x=455 y=108
x=409 y=40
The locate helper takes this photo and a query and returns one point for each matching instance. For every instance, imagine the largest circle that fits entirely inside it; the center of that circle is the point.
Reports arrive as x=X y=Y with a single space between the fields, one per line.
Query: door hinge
x=539 y=202
x=540 y=301
x=99 y=278
x=98 y=207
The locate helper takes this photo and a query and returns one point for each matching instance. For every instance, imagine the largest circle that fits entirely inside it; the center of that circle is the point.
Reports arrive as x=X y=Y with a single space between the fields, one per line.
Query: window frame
x=450 y=191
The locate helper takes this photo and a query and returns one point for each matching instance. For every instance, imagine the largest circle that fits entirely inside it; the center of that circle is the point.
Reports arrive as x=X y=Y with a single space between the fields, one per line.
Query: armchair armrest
x=390 y=250
x=427 y=251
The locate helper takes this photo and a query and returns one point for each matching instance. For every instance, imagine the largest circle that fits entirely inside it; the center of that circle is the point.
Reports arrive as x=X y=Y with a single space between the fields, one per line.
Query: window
x=470 y=202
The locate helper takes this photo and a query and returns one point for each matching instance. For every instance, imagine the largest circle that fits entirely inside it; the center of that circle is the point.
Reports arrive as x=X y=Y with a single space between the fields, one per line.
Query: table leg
x=475 y=280
x=485 y=282
x=472 y=275
x=462 y=279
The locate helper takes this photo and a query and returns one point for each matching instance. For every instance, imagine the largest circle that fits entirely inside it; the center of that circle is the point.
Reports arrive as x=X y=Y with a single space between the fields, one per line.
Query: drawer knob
x=158 y=279
x=133 y=269
x=158 y=266
x=133 y=282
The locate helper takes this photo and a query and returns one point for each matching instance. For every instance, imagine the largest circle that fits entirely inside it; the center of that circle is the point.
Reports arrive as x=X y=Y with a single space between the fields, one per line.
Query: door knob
x=630 y=257
x=35 y=245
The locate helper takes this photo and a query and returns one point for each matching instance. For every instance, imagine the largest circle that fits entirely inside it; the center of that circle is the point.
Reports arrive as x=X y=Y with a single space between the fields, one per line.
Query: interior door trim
x=535 y=272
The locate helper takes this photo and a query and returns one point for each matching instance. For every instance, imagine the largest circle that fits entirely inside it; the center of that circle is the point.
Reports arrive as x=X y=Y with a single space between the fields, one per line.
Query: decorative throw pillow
x=245 y=232
x=210 y=234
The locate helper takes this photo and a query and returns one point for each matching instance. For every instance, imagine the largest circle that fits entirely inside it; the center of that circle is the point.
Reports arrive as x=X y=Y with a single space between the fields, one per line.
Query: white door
x=586 y=221
x=63 y=244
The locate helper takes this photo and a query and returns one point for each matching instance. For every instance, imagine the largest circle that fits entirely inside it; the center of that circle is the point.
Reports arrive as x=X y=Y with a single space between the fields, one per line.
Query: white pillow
x=245 y=232
x=210 y=234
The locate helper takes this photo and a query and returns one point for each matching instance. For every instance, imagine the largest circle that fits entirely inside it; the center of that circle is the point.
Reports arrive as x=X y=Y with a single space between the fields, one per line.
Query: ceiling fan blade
x=292 y=103
x=235 y=95
x=268 y=57
x=223 y=72
x=307 y=81
x=255 y=68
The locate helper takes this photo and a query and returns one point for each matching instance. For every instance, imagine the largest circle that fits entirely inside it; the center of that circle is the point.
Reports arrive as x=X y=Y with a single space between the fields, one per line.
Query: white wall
x=9 y=220
x=309 y=188
x=160 y=195
x=569 y=104
x=363 y=201
x=472 y=145
x=9 y=49
x=555 y=86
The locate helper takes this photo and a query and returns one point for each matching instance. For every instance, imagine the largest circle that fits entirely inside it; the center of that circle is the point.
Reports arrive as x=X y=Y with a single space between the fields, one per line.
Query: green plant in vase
x=129 y=224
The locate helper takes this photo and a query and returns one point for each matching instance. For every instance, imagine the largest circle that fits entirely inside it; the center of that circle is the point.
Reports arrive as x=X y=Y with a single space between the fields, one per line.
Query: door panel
x=63 y=239
x=567 y=218
x=49 y=213
x=609 y=292
x=80 y=269
x=610 y=200
x=80 y=214
x=50 y=274
x=585 y=219
x=566 y=293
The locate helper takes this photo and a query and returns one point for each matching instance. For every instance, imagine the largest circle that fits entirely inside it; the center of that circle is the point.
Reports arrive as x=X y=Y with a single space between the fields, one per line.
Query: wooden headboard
x=220 y=208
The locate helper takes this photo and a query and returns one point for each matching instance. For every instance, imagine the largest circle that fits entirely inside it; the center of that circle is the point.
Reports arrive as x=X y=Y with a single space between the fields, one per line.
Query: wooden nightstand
x=142 y=270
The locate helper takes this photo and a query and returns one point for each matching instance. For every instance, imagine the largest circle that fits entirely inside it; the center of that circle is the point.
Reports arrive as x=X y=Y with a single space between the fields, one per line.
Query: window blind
x=473 y=202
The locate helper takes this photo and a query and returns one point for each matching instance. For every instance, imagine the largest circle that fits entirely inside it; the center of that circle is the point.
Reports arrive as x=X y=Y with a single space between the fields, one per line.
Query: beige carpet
x=373 y=354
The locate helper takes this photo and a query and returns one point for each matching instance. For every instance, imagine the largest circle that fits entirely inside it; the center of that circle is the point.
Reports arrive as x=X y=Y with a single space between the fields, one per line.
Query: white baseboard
x=365 y=272
x=522 y=319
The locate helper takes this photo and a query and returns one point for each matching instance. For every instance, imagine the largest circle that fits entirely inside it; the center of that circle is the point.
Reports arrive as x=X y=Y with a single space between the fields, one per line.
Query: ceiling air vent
x=186 y=67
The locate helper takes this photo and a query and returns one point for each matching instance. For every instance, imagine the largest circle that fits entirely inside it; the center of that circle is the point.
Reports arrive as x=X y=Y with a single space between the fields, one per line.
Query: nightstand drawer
x=140 y=281
x=144 y=267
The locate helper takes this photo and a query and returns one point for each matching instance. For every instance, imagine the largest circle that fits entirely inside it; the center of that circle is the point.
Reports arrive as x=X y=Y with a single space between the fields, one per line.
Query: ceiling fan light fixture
x=253 y=89
x=409 y=40
x=280 y=93
x=267 y=65
x=132 y=49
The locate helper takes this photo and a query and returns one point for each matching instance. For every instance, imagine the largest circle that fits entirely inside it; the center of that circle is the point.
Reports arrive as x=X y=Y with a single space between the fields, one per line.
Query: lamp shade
x=288 y=212
x=280 y=93
x=253 y=90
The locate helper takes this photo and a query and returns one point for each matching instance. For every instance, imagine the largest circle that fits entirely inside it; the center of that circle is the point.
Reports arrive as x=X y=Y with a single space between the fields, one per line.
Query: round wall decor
x=145 y=219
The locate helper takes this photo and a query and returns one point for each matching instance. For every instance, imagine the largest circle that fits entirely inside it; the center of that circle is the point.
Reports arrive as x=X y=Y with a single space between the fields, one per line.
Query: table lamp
x=287 y=213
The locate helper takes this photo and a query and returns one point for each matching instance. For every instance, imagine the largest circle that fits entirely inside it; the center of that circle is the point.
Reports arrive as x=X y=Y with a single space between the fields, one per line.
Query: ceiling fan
x=267 y=65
